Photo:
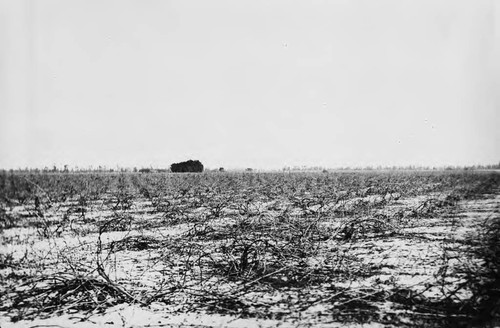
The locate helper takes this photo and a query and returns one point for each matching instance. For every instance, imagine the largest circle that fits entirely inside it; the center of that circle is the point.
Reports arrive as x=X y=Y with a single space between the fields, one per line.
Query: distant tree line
x=197 y=166
x=393 y=168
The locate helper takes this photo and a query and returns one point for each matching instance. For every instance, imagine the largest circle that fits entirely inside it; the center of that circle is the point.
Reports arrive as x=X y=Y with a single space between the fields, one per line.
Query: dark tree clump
x=188 y=166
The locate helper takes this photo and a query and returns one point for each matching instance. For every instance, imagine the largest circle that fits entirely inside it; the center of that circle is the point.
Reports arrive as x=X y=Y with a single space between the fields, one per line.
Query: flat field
x=353 y=249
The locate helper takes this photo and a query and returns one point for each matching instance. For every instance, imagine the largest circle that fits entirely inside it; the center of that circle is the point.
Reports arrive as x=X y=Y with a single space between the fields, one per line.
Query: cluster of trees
x=187 y=166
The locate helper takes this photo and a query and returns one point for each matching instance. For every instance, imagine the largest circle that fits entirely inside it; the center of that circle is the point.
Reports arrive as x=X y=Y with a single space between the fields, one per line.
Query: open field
x=368 y=249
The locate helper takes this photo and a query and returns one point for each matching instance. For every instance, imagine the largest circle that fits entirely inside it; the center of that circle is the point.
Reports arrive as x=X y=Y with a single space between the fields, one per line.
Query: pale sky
x=262 y=84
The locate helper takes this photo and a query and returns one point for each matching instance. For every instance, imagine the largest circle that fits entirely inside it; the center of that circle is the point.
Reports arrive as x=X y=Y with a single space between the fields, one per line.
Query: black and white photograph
x=249 y=163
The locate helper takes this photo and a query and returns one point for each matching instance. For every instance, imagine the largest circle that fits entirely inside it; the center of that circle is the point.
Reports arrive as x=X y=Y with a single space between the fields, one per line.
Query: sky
x=250 y=83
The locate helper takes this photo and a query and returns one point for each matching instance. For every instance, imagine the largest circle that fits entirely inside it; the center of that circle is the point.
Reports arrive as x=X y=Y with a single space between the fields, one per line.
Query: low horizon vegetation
x=301 y=168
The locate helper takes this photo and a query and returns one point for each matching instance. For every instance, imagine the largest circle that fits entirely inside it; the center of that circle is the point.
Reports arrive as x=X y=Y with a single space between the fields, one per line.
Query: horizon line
x=284 y=168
